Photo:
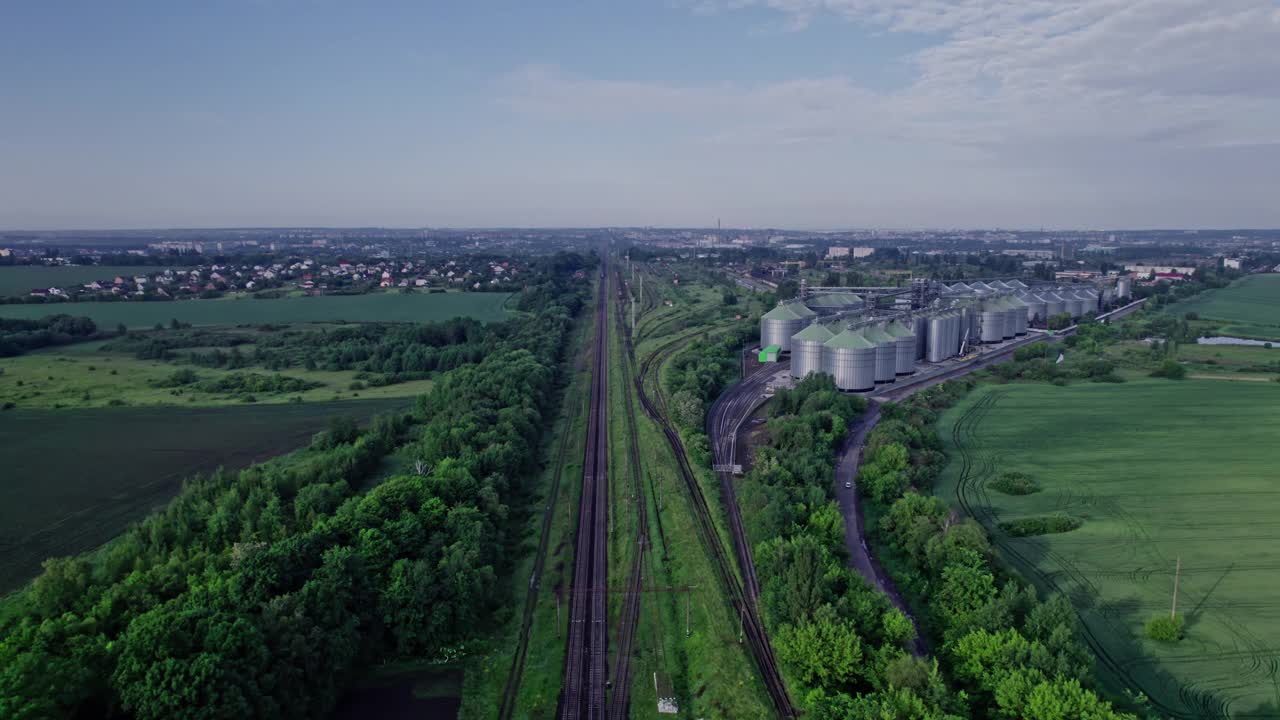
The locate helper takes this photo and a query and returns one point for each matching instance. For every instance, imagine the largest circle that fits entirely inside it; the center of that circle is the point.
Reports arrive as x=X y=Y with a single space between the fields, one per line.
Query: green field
x=382 y=307
x=84 y=375
x=1250 y=305
x=1157 y=470
x=73 y=479
x=22 y=279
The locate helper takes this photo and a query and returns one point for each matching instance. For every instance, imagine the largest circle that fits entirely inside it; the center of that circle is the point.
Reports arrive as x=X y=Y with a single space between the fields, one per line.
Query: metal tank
x=966 y=339
x=997 y=285
x=851 y=359
x=905 y=362
x=886 y=353
x=1035 y=308
x=1010 y=325
x=1090 y=297
x=1124 y=288
x=1108 y=296
x=920 y=323
x=935 y=349
x=991 y=318
x=1054 y=305
x=959 y=288
x=1016 y=284
x=953 y=333
x=779 y=324
x=1075 y=305
x=1019 y=310
x=806 y=350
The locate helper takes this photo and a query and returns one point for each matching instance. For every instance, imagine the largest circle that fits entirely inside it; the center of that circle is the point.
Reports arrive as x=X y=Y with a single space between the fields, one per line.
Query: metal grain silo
x=920 y=323
x=779 y=324
x=1016 y=284
x=1075 y=306
x=1054 y=304
x=1035 y=308
x=806 y=350
x=1108 y=296
x=997 y=285
x=959 y=288
x=851 y=359
x=935 y=348
x=1124 y=288
x=886 y=353
x=953 y=337
x=1090 y=298
x=1019 y=309
x=905 y=362
x=991 y=318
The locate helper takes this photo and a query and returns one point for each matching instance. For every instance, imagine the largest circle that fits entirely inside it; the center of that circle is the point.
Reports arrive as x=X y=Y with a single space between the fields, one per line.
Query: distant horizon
x=554 y=228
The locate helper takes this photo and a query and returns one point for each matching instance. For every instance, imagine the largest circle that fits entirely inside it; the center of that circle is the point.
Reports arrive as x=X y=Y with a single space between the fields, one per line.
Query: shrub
x=1014 y=483
x=7 y=406
x=1170 y=369
x=1042 y=525
x=1165 y=628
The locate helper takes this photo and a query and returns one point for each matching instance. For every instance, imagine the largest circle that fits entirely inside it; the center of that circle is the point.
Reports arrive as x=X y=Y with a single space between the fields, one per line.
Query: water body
x=1225 y=340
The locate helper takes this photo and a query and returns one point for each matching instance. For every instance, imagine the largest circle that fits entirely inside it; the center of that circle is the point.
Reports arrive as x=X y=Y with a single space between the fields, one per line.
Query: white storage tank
x=1124 y=288
x=806 y=350
x=851 y=359
x=906 y=347
x=886 y=353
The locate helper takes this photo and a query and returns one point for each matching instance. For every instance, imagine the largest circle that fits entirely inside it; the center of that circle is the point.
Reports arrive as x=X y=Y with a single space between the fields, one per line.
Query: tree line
x=20 y=336
x=261 y=593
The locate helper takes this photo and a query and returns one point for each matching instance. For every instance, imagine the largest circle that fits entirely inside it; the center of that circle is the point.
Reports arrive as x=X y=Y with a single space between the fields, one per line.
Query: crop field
x=22 y=279
x=85 y=375
x=1250 y=305
x=383 y=307
x=73 y=479
x=1157 y=471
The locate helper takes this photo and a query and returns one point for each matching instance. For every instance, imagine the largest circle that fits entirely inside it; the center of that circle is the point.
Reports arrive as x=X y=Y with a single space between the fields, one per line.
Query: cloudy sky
x=780 y=113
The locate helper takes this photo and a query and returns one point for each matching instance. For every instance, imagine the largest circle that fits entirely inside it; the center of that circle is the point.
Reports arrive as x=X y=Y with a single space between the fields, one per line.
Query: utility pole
x=688 y=614
x=1176 y=572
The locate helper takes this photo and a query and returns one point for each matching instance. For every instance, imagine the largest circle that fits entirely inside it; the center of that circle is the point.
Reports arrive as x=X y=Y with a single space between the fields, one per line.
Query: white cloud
x=999 y=73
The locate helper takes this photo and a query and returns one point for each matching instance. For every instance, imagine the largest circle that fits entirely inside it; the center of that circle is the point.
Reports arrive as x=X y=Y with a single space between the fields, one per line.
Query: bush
x=1014 y=483
x=1170 y=369
x=1165 y=628
x=1042 y=525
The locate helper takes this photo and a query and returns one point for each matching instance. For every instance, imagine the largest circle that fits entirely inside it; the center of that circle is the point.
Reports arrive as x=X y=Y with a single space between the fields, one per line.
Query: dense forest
x=843 y=647
x=261 y=593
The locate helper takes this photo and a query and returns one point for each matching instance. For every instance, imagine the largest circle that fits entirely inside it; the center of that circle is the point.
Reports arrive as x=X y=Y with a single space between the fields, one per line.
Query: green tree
x=826 y=652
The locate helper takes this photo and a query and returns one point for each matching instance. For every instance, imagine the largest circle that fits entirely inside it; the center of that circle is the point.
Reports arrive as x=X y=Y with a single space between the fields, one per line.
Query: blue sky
x=781 y=113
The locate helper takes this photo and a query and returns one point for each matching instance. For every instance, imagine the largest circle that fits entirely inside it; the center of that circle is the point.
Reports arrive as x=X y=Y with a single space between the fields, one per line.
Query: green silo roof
x=897 y=329
x=878 y=335
x=789 y=311
x=815 y=332
x=849 y=340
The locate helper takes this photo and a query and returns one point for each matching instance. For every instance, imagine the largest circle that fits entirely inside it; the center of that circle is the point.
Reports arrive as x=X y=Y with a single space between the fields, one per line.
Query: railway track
x=583 y=692
x=620 y=701
x=753 y=629
x=512 y=687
